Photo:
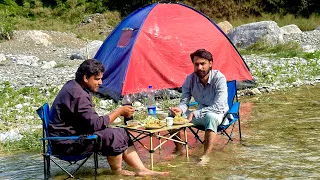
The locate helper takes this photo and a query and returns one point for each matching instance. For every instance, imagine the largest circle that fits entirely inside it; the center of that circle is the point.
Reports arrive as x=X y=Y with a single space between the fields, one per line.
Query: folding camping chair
x=43 y=113
x=233 y=110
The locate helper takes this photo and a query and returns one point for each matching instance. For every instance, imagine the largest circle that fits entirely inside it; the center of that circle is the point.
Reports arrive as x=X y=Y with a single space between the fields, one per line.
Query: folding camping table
x=165 y=133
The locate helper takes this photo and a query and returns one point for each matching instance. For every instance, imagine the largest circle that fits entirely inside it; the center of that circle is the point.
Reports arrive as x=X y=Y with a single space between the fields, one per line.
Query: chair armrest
x=235 y=108
x=59 y=138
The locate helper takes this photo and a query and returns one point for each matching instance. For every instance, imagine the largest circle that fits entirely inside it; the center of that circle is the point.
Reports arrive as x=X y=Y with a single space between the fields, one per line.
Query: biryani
x=179 y=119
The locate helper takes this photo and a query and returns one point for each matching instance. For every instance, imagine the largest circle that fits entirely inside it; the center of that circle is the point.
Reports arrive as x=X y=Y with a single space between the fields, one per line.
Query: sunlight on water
x=281 y=137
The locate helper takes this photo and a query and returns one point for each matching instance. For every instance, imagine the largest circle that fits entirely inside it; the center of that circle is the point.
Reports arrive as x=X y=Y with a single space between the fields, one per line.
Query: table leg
x=159 y=144
x=186 y=139
x=159 y=140
x=151 y=152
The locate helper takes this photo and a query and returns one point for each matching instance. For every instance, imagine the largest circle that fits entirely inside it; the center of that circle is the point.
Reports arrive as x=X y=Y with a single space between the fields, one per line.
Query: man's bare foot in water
x=148 y=172
x=124 y=172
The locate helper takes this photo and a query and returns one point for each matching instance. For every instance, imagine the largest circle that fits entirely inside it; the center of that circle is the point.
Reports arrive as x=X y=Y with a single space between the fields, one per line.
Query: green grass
x=29 y=97
x=59 y=65
x=290 y=49
x=12 y=117
x=285 y=50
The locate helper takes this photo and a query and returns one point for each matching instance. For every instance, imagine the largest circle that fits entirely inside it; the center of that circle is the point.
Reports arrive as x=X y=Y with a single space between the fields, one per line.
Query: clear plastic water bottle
x=127 y=101
x=151 y=103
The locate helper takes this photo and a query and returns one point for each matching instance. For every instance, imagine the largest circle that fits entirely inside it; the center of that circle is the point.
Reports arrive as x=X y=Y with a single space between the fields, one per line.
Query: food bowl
x=132 y=123
x=162 y=115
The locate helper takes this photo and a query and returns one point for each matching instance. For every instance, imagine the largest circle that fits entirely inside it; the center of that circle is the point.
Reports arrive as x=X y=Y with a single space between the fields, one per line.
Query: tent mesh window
x=125 y=37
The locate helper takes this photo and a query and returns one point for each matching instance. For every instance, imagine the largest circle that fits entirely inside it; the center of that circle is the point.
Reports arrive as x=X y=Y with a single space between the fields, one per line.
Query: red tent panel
x=161 y=53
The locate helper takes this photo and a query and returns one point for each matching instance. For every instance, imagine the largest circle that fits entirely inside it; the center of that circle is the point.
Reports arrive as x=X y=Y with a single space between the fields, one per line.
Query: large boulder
x=225 y=26
x=290 y=29
x=247 y=34
x=87 y=52
x=35 y=36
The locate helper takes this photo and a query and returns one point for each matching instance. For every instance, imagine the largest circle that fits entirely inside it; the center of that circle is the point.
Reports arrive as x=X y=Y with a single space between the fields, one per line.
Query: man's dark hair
x=202 y=53
x=89 y=67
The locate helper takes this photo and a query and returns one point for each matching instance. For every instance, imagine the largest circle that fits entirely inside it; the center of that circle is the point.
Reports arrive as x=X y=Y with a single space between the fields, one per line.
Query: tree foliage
x=222 y=9
x=297 y=7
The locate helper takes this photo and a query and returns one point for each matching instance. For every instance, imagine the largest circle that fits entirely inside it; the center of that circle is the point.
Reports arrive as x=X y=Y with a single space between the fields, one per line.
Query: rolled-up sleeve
x=85 y=111
x=186 y=95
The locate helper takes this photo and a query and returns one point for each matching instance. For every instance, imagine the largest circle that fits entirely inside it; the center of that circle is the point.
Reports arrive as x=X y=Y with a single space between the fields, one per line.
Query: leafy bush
x=7 y=14
x=6 y=31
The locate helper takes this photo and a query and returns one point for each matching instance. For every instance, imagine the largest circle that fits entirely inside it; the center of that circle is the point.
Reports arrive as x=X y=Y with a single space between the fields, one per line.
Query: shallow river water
x=280 y=140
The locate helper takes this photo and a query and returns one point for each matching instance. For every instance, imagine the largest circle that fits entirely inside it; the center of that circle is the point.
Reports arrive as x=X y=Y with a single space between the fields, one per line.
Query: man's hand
x=176 y=111
x=190 y=117
x=127 y=111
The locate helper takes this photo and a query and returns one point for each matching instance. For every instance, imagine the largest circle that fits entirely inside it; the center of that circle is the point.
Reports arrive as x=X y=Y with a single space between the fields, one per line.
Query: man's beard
x=202 y=74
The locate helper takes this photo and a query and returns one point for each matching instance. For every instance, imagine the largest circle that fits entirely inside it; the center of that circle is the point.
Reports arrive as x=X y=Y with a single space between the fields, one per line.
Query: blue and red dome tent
x=152 y=46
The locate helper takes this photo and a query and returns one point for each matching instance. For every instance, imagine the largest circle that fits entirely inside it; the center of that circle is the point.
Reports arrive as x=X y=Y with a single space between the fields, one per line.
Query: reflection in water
x=281 y=138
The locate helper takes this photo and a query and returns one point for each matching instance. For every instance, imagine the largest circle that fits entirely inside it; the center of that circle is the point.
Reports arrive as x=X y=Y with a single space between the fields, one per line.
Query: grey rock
x=25 y=60
x=225 y=26
x=48 y=65
x=12 y=135
x=245 y=35
x=35 y=36
x=2 y=57
x=87 y=52
x=19 y=106
x=308 y=40
x=290 y=29
x=256 y=91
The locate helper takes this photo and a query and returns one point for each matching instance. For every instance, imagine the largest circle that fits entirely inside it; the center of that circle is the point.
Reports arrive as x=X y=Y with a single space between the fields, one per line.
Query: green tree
x=127 y=6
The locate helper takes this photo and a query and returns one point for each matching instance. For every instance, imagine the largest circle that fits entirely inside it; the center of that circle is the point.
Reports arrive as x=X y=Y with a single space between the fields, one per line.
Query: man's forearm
x=113 y=115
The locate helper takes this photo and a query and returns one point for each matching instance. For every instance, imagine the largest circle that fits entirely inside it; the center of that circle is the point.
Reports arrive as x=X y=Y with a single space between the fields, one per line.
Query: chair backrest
x=43 y=113
x=232 y=92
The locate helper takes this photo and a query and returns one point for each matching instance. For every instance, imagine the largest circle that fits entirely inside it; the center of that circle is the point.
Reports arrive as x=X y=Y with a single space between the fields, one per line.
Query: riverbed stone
x=290 y=29
x=247 y=34
x=2 y=57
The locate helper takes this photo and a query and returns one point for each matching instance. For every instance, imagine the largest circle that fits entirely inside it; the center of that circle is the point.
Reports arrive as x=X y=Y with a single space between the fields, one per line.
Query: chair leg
x=70 y=175
x=84 y=161
x=196 y=135
x=45 y=173
x=46 y=166
x=239 y=130
x=95 y=157
x=229 y=136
